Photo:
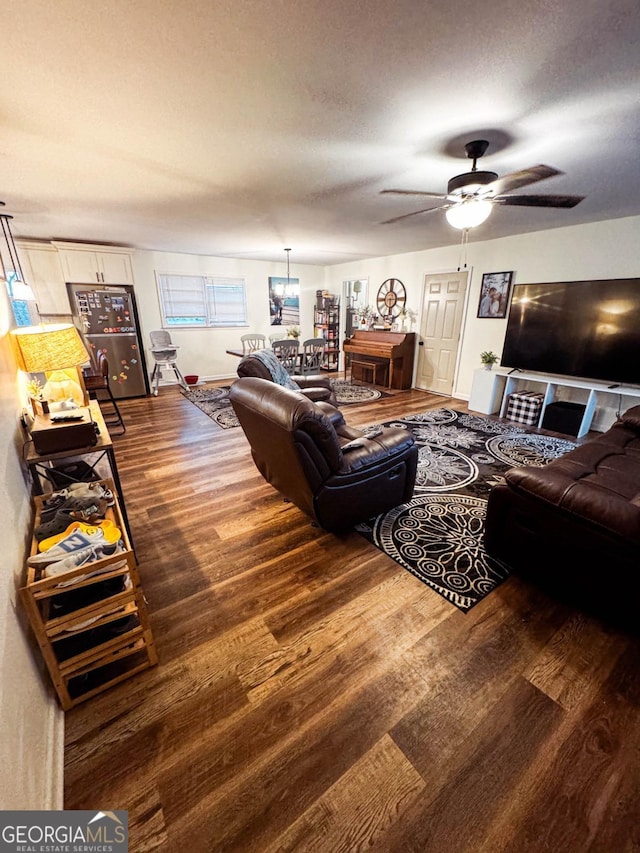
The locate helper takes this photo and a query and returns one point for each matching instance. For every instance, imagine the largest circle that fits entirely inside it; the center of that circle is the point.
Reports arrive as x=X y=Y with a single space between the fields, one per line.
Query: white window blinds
x=194 y=301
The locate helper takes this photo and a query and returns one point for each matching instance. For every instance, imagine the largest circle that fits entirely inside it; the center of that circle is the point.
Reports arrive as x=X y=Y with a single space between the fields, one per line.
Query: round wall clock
x=391 y=297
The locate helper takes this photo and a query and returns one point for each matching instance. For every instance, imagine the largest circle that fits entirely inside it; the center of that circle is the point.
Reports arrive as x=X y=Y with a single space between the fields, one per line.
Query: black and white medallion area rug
x=437 y=536
x=215 y=403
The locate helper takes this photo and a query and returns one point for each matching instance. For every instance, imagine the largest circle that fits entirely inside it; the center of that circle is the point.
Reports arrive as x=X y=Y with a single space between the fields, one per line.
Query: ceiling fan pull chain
x=463 y=249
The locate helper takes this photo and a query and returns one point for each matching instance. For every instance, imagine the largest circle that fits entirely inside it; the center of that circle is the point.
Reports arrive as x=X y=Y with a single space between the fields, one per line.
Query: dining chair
x=312 y=356
x=252 y=342
x=287 y=351
x=99 y=382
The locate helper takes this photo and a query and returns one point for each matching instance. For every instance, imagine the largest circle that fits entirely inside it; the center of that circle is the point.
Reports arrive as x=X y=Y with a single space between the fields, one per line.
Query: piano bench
x=369 y=371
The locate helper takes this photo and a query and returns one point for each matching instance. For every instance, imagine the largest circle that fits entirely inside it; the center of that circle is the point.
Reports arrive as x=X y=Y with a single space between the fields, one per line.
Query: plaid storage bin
x=524 y=407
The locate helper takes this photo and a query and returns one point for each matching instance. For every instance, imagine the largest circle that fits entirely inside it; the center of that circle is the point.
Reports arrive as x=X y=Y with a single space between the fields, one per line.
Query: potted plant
x=367 y=317
x=293 y=332
x=488 y=358
x=407 y=315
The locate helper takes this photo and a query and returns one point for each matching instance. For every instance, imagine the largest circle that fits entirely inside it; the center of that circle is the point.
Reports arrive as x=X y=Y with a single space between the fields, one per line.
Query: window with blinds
x=200 y=302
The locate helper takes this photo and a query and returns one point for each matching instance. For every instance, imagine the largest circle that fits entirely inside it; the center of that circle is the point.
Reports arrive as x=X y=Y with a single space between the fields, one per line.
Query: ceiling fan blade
x=519 y=179
x=539 y=200
x=415 y=213
x=413 y=192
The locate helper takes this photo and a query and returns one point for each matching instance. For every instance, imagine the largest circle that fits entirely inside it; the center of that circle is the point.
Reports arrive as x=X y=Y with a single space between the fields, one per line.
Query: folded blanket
x=278 y=374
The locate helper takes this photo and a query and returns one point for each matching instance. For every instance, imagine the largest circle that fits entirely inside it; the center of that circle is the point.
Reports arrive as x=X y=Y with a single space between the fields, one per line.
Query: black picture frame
x=495 y=294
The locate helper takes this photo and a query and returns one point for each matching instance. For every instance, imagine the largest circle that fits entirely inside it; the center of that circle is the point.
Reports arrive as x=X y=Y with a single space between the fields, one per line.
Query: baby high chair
x=165 y=354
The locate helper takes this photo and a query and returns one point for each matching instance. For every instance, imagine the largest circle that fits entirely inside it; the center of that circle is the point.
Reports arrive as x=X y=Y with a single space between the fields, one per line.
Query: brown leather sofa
x=336 y=474
x=574 y=525
x=316 y=388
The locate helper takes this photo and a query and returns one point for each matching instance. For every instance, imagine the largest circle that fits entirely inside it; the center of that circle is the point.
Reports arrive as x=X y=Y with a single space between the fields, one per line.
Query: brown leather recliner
x=334 y=473
x=316 y=388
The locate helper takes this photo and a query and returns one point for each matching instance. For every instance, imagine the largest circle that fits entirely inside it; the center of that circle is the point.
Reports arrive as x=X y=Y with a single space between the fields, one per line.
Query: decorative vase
x=488 y=367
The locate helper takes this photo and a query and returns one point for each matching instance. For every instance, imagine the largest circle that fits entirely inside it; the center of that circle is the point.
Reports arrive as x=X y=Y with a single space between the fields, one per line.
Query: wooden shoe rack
x=95 y=632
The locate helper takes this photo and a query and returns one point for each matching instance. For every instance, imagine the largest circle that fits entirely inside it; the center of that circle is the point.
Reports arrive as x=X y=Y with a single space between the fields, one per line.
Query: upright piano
x=397 y=348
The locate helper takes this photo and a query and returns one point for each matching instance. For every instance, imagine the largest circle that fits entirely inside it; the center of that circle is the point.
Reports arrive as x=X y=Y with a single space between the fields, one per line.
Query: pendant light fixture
x=10 y=261
x=288 y=276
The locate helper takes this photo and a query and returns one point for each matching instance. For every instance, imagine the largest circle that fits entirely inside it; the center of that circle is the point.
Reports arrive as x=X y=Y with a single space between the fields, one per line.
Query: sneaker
x=74 y=599
x=76 y=541
x=76 y=491
x=111 y=533
x=82 y=558
x=90 y=490
x=91 y=620
x=52 y=505
x=89 y=510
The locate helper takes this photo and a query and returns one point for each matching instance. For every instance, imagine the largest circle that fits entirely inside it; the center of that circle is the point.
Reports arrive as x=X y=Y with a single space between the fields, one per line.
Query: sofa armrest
x=631 y=418
x=581 y=499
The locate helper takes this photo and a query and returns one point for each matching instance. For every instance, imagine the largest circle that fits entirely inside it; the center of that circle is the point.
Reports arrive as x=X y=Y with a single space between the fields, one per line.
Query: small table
x=37 y=462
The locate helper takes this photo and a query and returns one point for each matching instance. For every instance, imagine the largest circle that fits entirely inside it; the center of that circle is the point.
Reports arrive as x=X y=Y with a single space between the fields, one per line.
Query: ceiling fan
x=470 y=196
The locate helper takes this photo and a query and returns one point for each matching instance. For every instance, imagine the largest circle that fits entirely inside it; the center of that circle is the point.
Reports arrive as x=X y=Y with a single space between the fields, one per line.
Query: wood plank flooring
x=312 y=695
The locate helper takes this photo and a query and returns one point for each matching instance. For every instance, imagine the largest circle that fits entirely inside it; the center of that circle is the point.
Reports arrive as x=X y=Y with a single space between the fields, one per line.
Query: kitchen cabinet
x=43 y=273
x=85 y=264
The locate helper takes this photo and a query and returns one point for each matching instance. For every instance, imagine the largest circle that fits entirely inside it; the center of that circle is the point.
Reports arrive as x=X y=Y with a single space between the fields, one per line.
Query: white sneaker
x=81 y=558
x=71 y=544
x=90 y=490
x=84 y=490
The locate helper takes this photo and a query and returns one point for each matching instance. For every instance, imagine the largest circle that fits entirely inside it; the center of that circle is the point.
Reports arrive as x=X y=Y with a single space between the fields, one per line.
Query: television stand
x=491 y=389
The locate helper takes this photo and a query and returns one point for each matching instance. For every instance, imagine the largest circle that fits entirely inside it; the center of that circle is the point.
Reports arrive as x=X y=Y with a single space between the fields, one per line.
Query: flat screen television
x=586 y=329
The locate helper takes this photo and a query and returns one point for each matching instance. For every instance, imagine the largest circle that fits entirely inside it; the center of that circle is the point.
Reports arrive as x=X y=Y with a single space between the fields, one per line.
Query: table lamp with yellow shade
x=57 y=351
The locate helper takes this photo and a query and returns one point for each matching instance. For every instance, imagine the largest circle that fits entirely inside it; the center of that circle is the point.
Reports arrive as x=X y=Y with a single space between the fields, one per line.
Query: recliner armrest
x=364 y=451
x=335 y=415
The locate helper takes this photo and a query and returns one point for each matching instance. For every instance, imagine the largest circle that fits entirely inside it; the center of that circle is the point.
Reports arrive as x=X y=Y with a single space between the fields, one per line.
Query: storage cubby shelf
x=77 y=625
x=491 y=389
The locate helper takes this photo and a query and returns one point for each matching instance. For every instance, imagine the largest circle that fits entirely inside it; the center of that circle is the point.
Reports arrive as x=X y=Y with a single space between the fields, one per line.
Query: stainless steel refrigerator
x=108 y=320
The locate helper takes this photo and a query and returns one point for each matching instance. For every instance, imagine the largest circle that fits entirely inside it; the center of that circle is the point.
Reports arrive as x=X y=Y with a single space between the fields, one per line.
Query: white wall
x=608 y=249
x=31 y=723
x=202 y=351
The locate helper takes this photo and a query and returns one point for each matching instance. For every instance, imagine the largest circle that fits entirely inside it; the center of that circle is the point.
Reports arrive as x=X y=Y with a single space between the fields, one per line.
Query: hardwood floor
x=312 y=695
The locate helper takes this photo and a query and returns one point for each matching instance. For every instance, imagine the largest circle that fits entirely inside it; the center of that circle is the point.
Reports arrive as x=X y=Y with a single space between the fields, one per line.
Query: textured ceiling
x=240 y=127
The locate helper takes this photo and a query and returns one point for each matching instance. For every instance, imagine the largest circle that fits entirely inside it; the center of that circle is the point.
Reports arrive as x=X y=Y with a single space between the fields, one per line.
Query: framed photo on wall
x=494 y=295
x=284 y=301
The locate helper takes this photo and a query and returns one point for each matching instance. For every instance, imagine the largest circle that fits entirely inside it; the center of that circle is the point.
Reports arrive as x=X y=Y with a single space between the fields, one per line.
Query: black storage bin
x=563 y=417
x=71 y=472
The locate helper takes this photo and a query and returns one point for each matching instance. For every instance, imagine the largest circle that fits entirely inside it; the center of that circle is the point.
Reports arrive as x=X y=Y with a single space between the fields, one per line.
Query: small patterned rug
x=437 y=536
x=215 y=403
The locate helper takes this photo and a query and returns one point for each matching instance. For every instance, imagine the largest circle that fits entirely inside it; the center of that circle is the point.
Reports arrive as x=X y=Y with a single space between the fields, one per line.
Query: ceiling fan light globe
x=469 y=213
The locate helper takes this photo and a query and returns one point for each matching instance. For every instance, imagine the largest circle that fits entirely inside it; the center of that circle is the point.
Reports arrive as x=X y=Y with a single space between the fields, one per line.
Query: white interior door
x=442 y=310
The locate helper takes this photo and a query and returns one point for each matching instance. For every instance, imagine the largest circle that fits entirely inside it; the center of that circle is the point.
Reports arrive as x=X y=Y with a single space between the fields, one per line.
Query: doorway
x=443 y=304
